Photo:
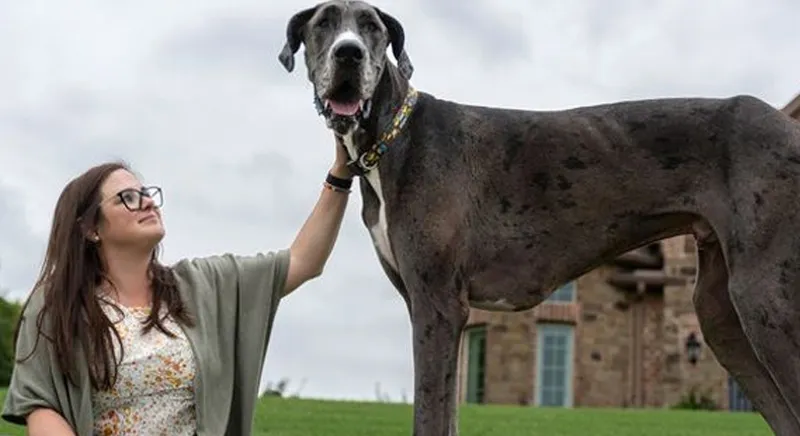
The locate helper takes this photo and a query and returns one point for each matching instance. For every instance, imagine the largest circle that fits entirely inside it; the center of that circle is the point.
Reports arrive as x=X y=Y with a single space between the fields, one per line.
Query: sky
x=190 y=92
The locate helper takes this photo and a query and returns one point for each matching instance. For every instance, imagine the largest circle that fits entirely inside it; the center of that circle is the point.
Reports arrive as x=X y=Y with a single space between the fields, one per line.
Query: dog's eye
x=370 y=26
x=323 y=22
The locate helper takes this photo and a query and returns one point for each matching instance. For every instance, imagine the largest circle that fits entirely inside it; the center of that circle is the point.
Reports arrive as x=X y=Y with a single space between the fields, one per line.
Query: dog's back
x=513 y=184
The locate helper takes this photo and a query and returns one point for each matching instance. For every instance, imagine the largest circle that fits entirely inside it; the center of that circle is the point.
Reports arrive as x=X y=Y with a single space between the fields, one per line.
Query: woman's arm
x=315 y=240
x=47 y=422
x=33 y=398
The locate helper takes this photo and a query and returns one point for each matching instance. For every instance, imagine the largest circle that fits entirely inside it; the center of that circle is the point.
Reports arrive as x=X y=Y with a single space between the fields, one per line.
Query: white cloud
x=191 y=93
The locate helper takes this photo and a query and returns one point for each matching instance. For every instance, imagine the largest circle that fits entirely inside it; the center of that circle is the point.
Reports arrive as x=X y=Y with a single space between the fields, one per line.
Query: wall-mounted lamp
x=693 y=348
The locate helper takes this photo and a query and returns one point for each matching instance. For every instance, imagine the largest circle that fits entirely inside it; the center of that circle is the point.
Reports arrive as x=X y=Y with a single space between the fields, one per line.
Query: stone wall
x=680 y=376
x=652 y=393
x=602 y=343
x=620 y=341
x=510 y=341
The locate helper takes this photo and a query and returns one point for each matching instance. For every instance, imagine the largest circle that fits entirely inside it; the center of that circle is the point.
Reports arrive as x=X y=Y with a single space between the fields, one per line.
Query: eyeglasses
x=133 y=199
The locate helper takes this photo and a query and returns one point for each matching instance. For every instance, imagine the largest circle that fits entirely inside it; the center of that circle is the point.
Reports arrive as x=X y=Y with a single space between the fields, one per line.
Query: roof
x=793 y=108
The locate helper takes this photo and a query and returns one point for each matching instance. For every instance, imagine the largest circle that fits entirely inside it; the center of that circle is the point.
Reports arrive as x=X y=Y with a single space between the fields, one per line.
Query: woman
x=113 y=342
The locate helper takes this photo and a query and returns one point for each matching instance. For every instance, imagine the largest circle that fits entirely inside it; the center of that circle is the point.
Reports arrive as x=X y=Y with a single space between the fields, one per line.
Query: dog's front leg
x=438 y=317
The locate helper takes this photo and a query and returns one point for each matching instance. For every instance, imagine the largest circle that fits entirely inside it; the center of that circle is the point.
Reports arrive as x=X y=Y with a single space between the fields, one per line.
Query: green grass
x=295 y=417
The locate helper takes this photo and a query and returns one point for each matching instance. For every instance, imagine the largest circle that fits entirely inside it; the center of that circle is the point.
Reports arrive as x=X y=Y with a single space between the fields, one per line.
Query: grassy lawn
x=293 y=417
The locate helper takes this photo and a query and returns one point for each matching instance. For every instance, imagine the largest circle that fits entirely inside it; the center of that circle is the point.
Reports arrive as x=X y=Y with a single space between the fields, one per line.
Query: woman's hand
x=339 y=168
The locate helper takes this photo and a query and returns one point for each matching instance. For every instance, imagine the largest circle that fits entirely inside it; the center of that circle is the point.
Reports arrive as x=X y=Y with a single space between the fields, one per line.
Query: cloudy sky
x=191 y=93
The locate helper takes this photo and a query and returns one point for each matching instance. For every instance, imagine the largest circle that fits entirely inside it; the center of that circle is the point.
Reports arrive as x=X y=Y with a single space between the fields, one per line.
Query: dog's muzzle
x=343 y=104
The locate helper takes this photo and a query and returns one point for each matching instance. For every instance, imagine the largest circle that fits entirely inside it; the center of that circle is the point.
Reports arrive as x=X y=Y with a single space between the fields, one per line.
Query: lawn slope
x=298 y=417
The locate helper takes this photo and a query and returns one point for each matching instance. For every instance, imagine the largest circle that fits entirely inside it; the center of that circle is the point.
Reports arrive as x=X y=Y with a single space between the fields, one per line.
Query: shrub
x=9 y=313
x=696 y=401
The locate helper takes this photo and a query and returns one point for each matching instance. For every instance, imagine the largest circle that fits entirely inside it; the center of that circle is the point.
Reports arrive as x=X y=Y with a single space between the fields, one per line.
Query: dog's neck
x=387 y=100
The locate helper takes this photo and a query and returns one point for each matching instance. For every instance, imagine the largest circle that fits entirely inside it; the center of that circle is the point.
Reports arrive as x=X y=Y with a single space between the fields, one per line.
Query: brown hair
x=72 y=270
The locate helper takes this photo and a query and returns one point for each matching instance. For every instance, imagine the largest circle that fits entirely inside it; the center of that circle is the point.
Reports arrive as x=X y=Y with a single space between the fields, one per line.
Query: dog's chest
x=379 y=230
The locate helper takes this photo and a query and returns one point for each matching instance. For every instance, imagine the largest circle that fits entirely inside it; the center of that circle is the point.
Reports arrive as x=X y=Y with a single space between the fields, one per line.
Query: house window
x=564 y=294
x=476 y=363
x=554 y=351
x=737 y=399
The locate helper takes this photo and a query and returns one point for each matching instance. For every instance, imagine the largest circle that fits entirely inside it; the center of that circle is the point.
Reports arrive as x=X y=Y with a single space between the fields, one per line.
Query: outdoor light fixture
x=693 y=348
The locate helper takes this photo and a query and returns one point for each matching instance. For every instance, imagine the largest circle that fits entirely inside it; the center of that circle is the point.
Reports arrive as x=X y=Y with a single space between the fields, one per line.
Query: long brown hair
x=70 y=274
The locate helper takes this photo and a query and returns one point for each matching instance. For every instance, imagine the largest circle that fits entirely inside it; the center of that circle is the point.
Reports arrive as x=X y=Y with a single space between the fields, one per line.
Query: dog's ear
x=294 y=37
x=397 y=39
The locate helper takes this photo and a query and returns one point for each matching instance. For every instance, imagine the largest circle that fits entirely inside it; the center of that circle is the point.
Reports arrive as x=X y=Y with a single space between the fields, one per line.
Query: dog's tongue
x=347 y=109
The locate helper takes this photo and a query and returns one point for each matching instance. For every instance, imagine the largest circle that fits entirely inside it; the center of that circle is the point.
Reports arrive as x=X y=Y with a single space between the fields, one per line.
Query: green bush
x=9 y=313
x=696 y=401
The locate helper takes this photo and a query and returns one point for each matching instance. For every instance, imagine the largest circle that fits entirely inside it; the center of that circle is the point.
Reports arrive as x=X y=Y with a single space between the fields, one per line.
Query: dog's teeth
x=366 y=106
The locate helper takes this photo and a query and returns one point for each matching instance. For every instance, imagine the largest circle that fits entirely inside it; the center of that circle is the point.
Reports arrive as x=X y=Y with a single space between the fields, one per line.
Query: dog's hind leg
x=437 y=324
x=723 y=333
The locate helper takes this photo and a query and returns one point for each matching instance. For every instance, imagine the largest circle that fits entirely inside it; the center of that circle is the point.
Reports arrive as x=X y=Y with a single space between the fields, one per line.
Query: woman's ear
x=89 y=233
x=92 y=237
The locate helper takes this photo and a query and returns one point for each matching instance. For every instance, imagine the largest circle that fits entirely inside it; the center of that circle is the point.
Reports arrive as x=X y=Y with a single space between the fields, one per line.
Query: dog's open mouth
x=345 y=108
x=345 y=101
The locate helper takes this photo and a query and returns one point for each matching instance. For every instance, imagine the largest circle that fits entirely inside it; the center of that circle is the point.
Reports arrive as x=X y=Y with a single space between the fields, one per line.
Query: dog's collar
x=368 y=160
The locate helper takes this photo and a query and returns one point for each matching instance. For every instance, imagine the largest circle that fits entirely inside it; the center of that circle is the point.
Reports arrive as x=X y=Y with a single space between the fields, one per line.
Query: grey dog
x=474 y=206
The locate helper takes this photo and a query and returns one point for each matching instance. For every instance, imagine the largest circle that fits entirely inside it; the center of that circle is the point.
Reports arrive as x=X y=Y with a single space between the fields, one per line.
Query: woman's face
x=131 y=213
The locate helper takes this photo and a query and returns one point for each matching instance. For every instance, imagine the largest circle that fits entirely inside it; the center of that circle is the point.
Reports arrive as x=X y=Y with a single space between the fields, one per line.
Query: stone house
x=622 y=335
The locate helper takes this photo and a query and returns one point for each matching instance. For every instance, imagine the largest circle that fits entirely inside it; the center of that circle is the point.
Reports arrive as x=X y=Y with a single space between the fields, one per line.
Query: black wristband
x=339 y=183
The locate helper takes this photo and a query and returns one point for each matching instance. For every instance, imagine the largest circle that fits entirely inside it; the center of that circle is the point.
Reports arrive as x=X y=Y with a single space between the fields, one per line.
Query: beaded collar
x=368 y=160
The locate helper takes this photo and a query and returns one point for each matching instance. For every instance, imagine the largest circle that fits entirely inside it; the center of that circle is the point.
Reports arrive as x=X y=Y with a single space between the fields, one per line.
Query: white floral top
x=154 y=391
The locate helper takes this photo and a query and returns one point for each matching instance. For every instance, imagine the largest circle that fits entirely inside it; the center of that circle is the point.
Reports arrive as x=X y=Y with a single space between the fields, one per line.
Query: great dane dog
x=495 y=208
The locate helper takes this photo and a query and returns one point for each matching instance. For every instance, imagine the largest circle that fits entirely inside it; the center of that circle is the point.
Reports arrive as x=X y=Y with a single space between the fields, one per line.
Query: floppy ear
x=294 y=37
x=397 y=38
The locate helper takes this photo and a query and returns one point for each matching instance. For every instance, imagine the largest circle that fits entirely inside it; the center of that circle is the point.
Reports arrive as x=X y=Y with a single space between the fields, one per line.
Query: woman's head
x=123 y=214
x=103 y=212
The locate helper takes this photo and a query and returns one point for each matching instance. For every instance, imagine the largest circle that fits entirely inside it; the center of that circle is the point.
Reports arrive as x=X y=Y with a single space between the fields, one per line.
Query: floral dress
x=154 y=391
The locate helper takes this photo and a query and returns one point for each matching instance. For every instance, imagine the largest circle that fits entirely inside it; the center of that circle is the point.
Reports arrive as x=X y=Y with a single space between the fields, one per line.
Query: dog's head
x=345 y=53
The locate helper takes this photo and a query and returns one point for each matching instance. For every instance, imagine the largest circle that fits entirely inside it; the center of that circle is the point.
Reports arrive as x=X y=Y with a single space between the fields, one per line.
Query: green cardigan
x=233 y=300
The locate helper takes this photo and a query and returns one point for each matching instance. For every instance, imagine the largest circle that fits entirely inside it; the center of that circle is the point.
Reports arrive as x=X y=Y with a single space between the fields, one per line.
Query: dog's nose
x=349 y=52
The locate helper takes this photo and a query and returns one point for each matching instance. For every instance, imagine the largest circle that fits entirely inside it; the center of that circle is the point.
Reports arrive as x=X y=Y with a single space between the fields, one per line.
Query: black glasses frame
x=152 y=192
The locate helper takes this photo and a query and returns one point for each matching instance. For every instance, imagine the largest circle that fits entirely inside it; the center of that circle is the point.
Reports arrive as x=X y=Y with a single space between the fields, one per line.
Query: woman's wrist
x=339 y=180
x=340 y=171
